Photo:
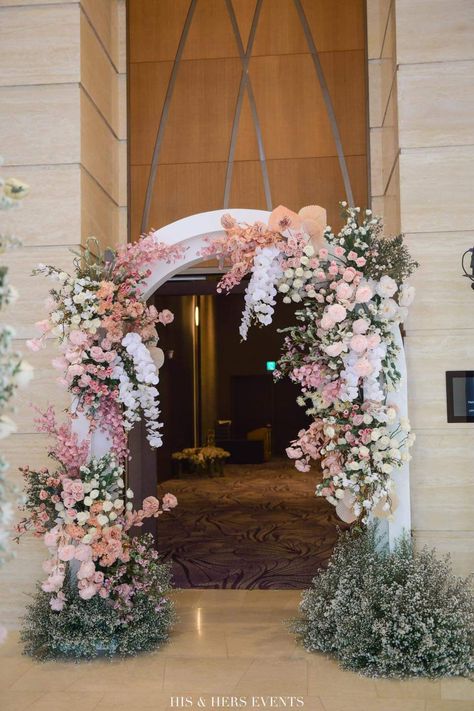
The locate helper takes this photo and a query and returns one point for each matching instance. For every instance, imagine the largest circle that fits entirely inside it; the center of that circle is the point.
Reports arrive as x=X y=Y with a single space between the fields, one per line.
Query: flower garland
x=106 y=331
x=351 y=295
x=83 y=512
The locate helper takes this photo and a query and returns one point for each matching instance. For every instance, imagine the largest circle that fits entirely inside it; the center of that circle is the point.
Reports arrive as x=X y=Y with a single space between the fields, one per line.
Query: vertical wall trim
x=245 y=84
x=327 y=101
x=164 y=116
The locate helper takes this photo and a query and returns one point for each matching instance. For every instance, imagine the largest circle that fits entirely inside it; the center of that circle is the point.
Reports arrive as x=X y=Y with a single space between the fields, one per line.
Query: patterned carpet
x=259 y=526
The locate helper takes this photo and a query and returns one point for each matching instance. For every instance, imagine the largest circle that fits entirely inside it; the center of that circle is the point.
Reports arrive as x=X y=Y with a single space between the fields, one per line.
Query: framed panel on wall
x=460 y=395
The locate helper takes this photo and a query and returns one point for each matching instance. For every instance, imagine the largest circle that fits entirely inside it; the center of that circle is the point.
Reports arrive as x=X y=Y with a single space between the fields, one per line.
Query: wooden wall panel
x=296 y=132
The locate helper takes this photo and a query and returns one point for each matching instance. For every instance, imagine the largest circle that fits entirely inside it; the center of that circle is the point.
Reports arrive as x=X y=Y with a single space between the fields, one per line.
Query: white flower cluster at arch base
x=140 y=397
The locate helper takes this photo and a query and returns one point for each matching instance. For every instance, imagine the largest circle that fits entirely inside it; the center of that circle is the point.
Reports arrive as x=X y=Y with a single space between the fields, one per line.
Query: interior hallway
x=227 y=642
x=258 y=526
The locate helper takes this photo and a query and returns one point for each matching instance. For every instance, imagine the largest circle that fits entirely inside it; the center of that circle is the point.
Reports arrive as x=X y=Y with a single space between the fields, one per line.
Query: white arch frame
x=191 y=232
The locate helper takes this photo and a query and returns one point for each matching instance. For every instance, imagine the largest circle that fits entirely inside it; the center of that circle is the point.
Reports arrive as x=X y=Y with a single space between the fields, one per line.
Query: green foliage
x=85 y=629
x=389 y=255
x=398 y=614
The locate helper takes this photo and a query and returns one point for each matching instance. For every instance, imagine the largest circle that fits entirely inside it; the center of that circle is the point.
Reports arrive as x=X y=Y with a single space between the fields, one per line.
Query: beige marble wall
x=421 y=69
x=63 y=131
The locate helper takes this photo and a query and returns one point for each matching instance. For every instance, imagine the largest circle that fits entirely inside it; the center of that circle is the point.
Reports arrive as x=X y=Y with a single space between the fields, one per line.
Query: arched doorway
x=191 y=232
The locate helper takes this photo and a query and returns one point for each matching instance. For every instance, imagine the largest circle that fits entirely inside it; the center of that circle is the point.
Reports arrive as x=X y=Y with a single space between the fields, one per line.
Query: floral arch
x=345 y=352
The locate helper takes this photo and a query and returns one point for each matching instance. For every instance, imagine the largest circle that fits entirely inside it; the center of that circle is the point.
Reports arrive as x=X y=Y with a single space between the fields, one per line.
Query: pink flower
x=360 y=261
x=88 y=591
x=83 y=552
x=51 y=538
x=373 y=340
x=363 y=367
x=169 y=501
x=57 y=603
x=34 y=344
x=334 y=349
x=66 y=552
x=150 y=506
x=339 y=251
x=75 y=370
x=165 y=317
x=301 y=464
x=333 y=269
x=43 y=495
x=363 y=294
x=352 y=255
x=358 y=343
x=97 y=354
x=326 y=322
x=349 y=274
x=78 y=338
x=86 y=570
x=77 y=490
x=343 y=290
x=294 y=452
x=323 y=253
x=69 y=501
x=360 y=325
x=336 y=313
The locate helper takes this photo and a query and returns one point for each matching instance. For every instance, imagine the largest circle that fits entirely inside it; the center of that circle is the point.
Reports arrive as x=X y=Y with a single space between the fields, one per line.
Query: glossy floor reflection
x=228 y=643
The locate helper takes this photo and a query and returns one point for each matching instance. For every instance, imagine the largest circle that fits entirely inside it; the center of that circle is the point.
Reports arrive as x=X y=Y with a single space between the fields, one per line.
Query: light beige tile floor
x=227 y=643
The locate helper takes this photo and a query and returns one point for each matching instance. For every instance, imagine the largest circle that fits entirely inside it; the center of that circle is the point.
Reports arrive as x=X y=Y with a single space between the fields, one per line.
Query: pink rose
x=77 y=490
x=333 y=269
x=363 y=367
x=87 y=592
x=98 y=577
x=50 y=539
x=150 y=506
x=169 y=501
x=97 y=354
x=339 y=251
x=86 y=570
x=77 y=338
x=43 y=495
x=363 y=294
x=360 y=261
x=352 y=255
x=66 y=552
x=373 y=340
x=360 y=325
x=349 y=274
x=326 y=322
x=69 y=501
x=334 y=349
x=323 y=253
x=75 y=370
x=343 y=290
x=300 y=464
x=83 y=552
x=336 y=313
x=165 y=317
x=358 y=343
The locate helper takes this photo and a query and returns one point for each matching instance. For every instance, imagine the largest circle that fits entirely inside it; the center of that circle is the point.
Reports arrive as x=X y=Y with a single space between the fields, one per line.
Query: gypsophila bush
x=398 y=614
x=85 y=629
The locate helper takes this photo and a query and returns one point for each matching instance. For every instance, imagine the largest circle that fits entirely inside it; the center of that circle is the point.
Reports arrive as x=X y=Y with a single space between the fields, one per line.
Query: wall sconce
x=471 y=266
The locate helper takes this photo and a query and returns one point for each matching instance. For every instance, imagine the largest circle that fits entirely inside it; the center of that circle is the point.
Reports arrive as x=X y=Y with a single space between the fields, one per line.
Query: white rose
x=304 y=261
x=129 y=494
x=118 y=503
x=387 y=468
x=102 y=519
x=112 y=516
x=289 y=273
x=94 y=493
x=107 y=505
x=375 y=435
x=82 y=517
x=299 y=272
x=283 y=288
x=87 y=501
x=309 y=250
x=367 y=418
x=386 y=286
x=407 y=295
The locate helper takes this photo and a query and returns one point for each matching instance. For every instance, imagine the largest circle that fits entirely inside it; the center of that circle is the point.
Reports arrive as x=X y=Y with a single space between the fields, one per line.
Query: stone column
x=63 y=131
